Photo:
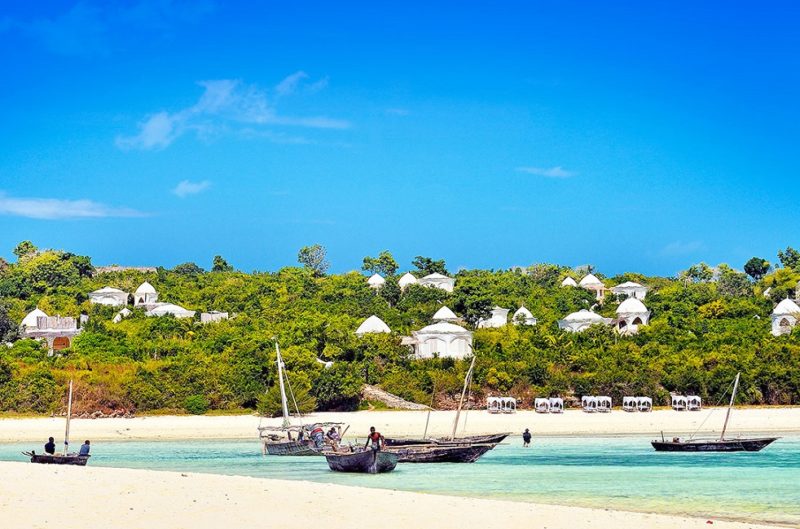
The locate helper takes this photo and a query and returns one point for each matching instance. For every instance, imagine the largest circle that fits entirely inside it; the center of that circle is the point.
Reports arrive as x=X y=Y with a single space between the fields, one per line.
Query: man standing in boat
x=376 y=438
x=50 y=446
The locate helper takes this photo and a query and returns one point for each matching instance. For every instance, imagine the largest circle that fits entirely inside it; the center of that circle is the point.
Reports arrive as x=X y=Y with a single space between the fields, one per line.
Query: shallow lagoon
x=619 y=473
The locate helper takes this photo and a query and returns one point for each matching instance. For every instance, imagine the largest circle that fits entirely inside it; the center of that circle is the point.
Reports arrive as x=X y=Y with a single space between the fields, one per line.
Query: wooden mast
x=463 y=393
x=284 y=404
x=69 y=414
x=730 y=405
x=428 y=420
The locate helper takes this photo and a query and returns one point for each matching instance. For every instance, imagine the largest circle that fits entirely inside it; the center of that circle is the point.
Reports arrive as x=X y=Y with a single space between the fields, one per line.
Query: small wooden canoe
x=58 y=459
x=713 y=445
x=292 y=448
x=367 y=461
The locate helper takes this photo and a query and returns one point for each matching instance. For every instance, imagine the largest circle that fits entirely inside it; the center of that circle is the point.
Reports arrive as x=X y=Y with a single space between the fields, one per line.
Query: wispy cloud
x=56 y=208
x=94 y=27
x=225 y=106
x=547 y=172
x=678 y=248
x=186 y=188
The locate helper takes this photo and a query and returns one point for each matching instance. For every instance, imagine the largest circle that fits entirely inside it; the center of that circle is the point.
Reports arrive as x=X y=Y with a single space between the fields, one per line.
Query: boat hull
x=365 y=462
x=69 y=459
x=441 y=453
x=491 y=438
x=291 y=448
x=727 y=445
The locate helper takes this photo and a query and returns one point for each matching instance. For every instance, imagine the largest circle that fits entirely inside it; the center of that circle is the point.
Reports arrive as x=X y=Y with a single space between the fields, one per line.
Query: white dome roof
x=373 y=324
x=590 y=280
x=444 y=314
x=30 y=319
x=145 y=288
x=631 y=306
x=376 y=279
x=169 y=308
x=569 y=282
x=584 y=315
x=407 y=279
x=787 y=306
x=522 y=311
x=443 y=327
x=108 y=290
x=435 y=275
x=630 y=285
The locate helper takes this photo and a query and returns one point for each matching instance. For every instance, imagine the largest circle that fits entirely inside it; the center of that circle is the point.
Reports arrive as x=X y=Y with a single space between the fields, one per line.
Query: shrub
x=196 y=404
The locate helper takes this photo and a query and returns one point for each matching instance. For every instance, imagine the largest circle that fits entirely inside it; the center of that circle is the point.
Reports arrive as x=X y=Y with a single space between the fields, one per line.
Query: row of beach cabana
x=593 y=404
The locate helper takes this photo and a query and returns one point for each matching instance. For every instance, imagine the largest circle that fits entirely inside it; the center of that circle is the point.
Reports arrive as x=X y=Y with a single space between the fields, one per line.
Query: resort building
x=582 y=320
x=162 y=309
x=569 y=282
x=631 y=313
x=112 y=297
x=372 y=325
x=523 y=317
x=121 y=315
x=213 y=316
x=498 y=318
x=784 y=317
x=438 y=281
x=57 y=331
x=592 y=283
x=376 y=281
x=407 y=280
x=630 y=289
x=145 y=296
x=445 y=314
x=443 y=339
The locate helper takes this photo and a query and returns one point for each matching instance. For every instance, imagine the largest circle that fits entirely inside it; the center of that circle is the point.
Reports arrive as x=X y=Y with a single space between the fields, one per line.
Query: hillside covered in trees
x=707 y=324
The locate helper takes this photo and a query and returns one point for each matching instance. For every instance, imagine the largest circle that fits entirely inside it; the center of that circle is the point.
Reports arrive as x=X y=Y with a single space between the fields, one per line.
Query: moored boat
x=365 y=461
x=65 y=458
x=464 y=453
x=490 y=438
x=739 y=444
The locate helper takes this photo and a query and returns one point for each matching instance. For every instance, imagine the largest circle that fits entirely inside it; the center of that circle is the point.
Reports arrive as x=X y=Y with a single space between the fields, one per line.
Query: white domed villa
x=582 y=320
x=497 y=318
x=592 y=283
x=631 y=313
x=407 y=280
x=373 y=325
x=523 y=317
x=443 y=339
x=109 y=296
x=376 y=281
x=436 y=280
x=784 y=317
x=145 y=295
x=569 y=282
x=630 y=289
x=445 y=314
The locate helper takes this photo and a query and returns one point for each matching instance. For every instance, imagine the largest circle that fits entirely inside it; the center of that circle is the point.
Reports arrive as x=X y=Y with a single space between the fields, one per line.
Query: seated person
x=333 y=436
x=84 y=451
x=50 y=446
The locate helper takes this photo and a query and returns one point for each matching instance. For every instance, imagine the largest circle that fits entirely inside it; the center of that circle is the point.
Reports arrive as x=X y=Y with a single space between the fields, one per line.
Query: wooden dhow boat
x=65 y=458
x=739 y=444
x=288 y=439
x=365 y=461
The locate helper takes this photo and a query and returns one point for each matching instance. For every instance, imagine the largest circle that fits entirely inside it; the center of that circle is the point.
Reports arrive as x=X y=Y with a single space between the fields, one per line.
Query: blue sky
x=636 y=136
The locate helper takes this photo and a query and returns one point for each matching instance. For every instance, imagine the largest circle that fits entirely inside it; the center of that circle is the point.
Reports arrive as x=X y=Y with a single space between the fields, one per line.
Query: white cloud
x=547 y=172
x=677 y=248
x=186 y=188
x=56 y=208
x=226 y=106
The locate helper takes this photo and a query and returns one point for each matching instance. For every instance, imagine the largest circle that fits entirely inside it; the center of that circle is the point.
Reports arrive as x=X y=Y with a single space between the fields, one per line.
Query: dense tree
x=313 y=259
x=756 y=267
x=426 y=266
x=790 y=258
x=698 y=273
x=384 y=264
x=220 y=265
x=188 y=269
x=25 y=249
x=732 y=283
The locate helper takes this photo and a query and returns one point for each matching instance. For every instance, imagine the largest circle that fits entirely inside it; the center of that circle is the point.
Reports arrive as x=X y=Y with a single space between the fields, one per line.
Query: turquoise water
x=619 y=473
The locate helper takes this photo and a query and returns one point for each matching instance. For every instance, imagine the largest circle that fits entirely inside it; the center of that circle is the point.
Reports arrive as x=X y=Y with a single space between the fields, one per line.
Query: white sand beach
x=761 y=420
x=44 y=496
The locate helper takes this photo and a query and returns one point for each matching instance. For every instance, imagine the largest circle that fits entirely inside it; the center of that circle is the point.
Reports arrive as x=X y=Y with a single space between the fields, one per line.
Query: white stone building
x=784 y=317
x=213 y=316
x=592 y=283
x=162 y=309
x=112 y=297
x=145 y=296
x=376 y=281
x=582 y=320
x=630 y=289
x=497 y=318
x=57 y=331
x=442 y=339
x=631 y=314
x=371 y=325
x=438 y=281
x=523 y=317
x=569 y=282
x=407 y=280
x=445 y=314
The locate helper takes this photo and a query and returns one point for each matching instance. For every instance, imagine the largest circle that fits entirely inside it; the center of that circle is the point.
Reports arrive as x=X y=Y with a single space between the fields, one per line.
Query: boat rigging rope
x=720 y=401
x=291 y=394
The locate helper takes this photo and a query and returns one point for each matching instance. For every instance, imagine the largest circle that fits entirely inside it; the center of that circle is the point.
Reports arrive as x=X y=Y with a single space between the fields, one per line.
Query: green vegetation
x=707 y=324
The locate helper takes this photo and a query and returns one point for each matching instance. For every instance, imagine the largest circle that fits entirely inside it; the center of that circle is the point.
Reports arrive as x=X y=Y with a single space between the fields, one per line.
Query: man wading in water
x=526 y=437
x=376 y=438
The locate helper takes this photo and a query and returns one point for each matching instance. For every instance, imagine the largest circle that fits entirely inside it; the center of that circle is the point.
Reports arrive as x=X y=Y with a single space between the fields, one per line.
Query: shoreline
x=136 y=498
x=761 y=420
